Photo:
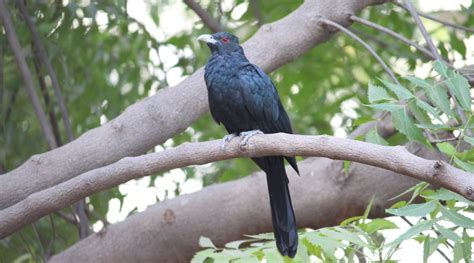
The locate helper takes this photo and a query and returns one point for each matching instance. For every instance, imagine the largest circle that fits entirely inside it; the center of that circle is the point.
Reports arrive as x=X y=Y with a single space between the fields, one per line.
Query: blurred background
x=110 y=54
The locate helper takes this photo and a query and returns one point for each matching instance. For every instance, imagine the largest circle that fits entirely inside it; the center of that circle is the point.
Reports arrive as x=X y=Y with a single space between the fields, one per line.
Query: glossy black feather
x=243 y=98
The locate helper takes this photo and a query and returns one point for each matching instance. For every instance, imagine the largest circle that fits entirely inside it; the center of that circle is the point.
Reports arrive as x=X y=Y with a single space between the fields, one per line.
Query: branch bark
x=169 y=231
x=396 y=159
x=157 y=118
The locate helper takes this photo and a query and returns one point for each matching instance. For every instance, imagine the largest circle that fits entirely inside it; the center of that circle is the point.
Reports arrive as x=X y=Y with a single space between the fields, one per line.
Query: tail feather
x=283 y=216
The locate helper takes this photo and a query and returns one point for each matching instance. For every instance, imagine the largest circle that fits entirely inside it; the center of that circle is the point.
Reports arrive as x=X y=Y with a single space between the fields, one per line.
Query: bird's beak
x=207 y=39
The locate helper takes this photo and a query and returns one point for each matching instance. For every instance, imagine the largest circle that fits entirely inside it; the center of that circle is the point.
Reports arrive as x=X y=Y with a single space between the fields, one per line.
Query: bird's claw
x=246 y=135
x=227 y=139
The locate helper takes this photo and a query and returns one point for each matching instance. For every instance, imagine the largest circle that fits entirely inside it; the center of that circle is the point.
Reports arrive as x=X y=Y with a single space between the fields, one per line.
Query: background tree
x=92 y=64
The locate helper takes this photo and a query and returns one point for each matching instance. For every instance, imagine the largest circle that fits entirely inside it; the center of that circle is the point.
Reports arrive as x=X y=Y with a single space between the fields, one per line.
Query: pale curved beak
x=207 y=39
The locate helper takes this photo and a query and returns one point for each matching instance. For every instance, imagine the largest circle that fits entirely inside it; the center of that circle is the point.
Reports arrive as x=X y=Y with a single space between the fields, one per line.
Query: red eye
x=225 y=39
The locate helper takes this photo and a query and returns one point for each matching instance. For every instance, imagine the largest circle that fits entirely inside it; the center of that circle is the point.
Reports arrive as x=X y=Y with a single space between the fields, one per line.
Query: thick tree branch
x=169 y=231
x=155 y=119
x=25 y=73
x=206 y=18
x=396 y=159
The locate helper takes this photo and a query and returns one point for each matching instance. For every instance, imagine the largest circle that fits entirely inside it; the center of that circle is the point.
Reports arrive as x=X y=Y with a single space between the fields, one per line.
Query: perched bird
x=244 y=99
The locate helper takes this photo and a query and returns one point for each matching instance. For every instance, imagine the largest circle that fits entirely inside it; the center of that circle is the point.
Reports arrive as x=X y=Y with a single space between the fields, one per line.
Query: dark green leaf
x=400 y=91
x=377 y=93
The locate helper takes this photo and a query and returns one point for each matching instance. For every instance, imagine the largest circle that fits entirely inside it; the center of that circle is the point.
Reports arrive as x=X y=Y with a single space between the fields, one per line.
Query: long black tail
x=283 y=217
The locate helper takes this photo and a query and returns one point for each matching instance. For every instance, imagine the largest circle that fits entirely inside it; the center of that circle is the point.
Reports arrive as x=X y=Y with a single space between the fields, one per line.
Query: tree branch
x=430 y=17
x=25 y=74
x=169 y=231
x=396 y=159
x=206 y=18
x=155 y=119
x=393 y=34
x=363 y=43
x=435 y=52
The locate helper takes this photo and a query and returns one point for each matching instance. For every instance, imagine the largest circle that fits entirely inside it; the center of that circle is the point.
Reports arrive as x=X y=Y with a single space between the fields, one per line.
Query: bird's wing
x=262 y=101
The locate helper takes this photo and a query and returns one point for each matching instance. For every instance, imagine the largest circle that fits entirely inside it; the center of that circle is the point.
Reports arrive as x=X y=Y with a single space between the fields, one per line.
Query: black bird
x=244 y=99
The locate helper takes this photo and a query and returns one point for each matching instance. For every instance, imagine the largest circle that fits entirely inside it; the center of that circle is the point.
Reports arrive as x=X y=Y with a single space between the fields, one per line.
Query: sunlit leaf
x=206 y=242
x=414 y=209
x=377 y=93
x=457 y=218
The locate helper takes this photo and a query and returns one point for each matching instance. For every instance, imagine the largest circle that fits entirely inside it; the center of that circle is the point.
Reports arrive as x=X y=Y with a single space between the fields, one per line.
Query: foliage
x=106 y=60
x=443 y=219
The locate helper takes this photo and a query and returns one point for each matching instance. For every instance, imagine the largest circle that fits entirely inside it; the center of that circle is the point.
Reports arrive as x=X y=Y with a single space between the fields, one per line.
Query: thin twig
x=430 y=17
x=362 y=42
x=46 y=99
x=25 y=74
x=257 y=12
x=435 y=52
x=393 y=34
x=207 y=19
x=437 y=249
x=426 y=36
x=40 y=241
x=50 y=250
x=66 y=217
x=43 y=57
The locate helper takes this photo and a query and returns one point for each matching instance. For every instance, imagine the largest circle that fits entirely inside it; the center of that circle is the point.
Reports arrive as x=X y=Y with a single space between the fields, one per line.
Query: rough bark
x=155 y=119
x=169 y=231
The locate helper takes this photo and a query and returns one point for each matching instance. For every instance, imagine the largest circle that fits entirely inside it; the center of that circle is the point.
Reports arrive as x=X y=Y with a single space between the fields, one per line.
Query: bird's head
x=221 y=42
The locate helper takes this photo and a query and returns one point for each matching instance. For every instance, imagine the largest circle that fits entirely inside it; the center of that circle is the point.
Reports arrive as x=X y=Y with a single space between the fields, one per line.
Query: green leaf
x=456 y=218
x=346 y=167
x=201 y=256
x=414 y=230
x=459 y=86
x=386 y=106
x=446 y=148
x=446 y=195
x=206 y=242
x=420 y=115
x=399 y=90
x=236 y=244
x=426 y=249
x=441 y=68
x=379 y=224
x=448 y=233
x=263 y=236
x=466 y=246
x=414 y=209
x=458 y=252
x=405 y=125
x=377 y=93
x=373 y=137
x=439 y=98
x=426 y=107
x=469 y=140
x=341 y=234
x=418 y=82
x=465 y=165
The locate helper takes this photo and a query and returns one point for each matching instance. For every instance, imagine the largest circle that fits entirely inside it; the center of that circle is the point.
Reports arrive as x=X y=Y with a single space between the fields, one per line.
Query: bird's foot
x=246 y=135
x=227 y=139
